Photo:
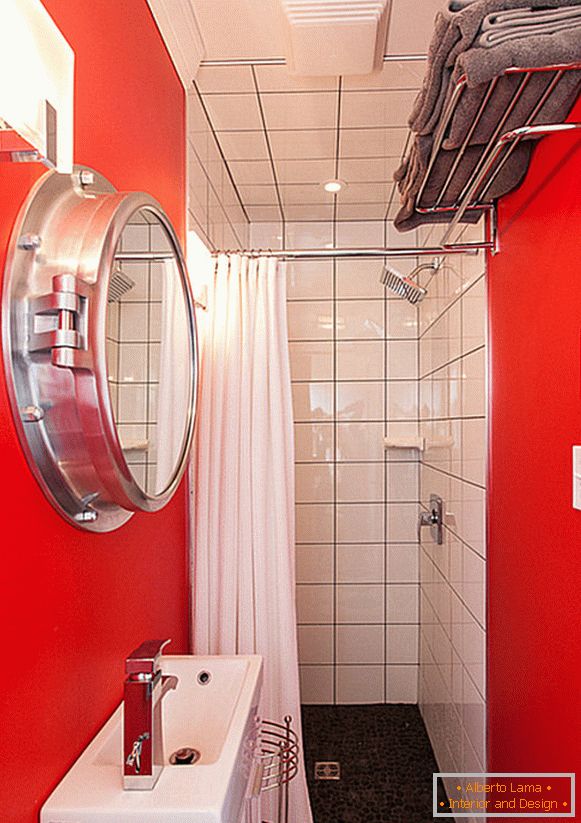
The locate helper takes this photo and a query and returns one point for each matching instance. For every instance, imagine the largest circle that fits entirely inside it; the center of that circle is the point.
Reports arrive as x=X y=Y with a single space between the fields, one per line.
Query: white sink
x=217 y=718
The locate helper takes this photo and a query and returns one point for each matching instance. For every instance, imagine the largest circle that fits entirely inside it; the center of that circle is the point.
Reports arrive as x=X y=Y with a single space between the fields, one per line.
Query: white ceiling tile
x=395 y=74
x=258 y=195
x=304 y=193
x=243 y=145
x=241 y=28
x=277 y=78
x=309 y=144
x=316 y=110
x=372 y=142
x=263 y=214
x=233 y=112
x=410 y=31
x=360 y=211
x=366 y=170
x=308 y=211
x=251 y=171
x=304 y=171
x=360 y=109
x=225 y=79
x=364 y=193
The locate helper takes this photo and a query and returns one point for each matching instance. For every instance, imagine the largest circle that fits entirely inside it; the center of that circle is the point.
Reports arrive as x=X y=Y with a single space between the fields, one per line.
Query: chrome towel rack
x=494 y=153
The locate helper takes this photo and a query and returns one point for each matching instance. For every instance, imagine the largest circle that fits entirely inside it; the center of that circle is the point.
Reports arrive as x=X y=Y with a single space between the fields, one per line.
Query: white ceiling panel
x=304 y=171
x=309 y=110
x=411 y=25
x=363 y=109
x=233 y=112
x=367 y=169
x=372 y=142
x=251 y=171
x=304 y=145
x=294 y=195
x=258 y=195
x=243 y=145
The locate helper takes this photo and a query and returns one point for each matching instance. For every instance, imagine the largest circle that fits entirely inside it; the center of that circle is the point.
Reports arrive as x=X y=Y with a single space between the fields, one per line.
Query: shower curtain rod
x=318 y=254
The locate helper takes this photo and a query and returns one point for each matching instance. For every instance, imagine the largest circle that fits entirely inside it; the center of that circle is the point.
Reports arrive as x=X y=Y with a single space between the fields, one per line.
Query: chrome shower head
x=119 y=285
x=406 y=286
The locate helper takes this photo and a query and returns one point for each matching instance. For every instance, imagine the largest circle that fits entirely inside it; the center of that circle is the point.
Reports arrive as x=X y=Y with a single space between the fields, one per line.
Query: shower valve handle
x=434 y=519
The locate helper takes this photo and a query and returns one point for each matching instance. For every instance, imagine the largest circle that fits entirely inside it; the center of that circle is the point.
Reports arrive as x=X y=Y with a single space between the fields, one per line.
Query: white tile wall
x=354 y=370
x=452 y=411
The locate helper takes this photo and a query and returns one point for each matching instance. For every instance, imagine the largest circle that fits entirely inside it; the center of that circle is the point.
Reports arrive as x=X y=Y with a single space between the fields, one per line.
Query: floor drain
x=328 y=770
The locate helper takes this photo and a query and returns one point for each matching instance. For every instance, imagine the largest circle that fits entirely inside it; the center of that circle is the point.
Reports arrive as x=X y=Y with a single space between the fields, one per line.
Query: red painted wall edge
x=73 y=604
x=534 y=539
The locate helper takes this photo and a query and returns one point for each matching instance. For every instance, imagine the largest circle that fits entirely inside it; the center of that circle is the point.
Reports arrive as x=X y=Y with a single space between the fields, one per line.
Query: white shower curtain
x=243 y=488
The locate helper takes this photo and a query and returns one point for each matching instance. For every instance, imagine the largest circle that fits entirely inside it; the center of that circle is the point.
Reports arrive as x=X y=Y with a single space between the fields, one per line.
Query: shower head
x=406 y=286
x=119 y=285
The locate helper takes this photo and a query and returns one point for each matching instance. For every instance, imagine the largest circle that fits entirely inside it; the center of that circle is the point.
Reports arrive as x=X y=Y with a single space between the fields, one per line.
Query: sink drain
x=184 y=757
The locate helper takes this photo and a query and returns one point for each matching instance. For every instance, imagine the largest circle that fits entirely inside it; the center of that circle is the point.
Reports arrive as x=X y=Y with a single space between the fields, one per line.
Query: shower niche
x=100 y=348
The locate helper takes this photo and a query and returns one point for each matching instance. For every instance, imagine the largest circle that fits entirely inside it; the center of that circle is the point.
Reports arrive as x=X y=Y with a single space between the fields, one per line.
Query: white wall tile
x=360 y=563
x=314 y=563
x=316 y=684
x=360 y=319
x=314 y=442
x=360 y=644
x=315 y=644
x=314 y=523
x=360 y=482
x=360 y=360
x=360 y=684
x=314 y=604
x=314 y=482
x=312 y=401
x=360 y=603
x=309 y=280
x=402 y=644
x=360 y=401
x=311 y=360
x=360 y=522
x=401 y=684
x=360 y=441
x=401 y=603
x=310 y=320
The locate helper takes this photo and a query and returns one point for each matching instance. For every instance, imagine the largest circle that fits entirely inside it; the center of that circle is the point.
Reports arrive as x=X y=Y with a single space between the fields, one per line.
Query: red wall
x=73 y=604
x=534 y=533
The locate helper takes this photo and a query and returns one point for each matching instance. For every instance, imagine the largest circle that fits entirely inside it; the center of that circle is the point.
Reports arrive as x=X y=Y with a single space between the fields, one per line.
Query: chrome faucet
x=145 y=687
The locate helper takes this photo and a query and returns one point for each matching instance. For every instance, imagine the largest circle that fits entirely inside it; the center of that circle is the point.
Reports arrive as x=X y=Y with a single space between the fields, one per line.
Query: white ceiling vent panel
x=332 y=37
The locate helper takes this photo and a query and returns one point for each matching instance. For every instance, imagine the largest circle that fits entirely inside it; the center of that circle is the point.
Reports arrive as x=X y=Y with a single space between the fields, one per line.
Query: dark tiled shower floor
x=386 y=764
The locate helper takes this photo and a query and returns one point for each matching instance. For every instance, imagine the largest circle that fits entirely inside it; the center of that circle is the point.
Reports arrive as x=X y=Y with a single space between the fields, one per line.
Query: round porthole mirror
x=100 y=348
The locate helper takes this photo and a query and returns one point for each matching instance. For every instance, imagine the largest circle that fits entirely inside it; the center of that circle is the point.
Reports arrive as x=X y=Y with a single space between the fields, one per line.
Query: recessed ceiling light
x=333 y=186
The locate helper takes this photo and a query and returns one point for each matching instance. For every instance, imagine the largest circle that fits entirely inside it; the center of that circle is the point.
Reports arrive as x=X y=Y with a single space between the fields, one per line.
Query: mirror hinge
x=59 y=322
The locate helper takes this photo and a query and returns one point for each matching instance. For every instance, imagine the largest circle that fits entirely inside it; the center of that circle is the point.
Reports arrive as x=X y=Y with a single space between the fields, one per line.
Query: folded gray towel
x=510 y=176
x=496 y=37
x=455 y=32
x=554 y=110
x=517 y=17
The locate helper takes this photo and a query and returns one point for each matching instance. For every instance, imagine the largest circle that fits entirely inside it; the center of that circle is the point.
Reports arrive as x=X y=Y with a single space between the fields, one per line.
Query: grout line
x=219 y=147
x=334 y=405
x=268 y=147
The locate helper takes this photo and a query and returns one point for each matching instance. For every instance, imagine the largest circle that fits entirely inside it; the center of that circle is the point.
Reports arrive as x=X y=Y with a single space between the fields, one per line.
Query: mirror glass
x=149 y=352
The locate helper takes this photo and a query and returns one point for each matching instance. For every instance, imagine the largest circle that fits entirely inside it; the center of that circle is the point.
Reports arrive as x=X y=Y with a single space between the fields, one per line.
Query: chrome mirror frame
x=61 y=257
